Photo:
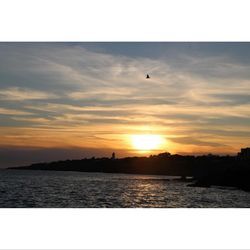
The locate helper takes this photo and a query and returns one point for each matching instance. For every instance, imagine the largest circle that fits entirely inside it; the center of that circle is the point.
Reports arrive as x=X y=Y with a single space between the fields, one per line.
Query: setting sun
x=146 y=142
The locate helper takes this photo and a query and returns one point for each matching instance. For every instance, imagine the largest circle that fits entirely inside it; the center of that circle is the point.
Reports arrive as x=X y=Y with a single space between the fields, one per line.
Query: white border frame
x=130 y=20
x=124 y=20
x=124 y=229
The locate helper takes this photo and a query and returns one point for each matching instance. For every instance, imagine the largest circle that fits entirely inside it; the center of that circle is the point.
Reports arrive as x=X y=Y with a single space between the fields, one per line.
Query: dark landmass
x=207 y=170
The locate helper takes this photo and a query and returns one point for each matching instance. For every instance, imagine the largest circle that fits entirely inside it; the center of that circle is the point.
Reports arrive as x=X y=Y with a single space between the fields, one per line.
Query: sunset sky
x=76 y=100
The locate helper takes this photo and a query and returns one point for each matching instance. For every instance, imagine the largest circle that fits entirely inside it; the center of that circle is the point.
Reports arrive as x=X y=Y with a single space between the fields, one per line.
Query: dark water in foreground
x=73 y=189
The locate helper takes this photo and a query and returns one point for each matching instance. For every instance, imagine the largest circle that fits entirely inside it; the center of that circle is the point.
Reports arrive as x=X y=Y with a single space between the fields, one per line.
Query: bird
x=147 y=77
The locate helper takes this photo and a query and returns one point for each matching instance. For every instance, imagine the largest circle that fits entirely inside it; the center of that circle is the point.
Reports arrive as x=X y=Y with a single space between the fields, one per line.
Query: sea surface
x=54 y=189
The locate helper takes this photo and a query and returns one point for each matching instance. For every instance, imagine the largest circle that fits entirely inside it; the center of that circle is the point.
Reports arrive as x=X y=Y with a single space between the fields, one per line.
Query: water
x=87 y=190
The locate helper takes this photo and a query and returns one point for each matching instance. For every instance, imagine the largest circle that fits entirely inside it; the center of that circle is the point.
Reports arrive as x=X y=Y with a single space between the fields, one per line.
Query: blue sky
x=88 y=98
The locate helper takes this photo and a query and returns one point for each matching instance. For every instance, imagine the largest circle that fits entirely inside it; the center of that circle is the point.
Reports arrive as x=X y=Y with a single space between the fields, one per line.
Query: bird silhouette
x=147 y=77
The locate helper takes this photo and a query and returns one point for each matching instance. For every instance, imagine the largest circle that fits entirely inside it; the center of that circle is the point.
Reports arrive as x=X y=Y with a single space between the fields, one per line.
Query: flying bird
x=147 y=77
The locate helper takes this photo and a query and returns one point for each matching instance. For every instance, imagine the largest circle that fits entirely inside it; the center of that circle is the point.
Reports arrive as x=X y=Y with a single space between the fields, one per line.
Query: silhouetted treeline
x=162 y=164
x=222 y=171
x=207 y=170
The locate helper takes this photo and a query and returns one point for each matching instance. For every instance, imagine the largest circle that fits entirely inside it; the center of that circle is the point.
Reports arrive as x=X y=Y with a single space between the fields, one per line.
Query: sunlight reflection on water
x=74 y=189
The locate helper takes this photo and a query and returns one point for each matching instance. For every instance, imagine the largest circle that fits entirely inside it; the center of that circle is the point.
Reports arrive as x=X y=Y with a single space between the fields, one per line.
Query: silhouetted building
x=113 y=156
x=244 y=153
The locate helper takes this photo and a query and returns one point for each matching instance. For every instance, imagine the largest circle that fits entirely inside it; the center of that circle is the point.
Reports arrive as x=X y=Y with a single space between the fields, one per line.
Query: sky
x=74 y=100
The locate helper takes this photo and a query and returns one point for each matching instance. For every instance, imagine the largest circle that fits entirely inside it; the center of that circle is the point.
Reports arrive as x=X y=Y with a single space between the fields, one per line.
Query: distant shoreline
x=205 y=171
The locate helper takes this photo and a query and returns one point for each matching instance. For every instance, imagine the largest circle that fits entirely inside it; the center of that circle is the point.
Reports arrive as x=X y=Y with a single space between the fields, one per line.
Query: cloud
x=5 y=111
x=193 y=141
x=19 y=94
x=232 y=98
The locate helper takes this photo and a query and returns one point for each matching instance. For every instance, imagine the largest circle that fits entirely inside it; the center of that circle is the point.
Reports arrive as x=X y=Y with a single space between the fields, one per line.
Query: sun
x=146 y=142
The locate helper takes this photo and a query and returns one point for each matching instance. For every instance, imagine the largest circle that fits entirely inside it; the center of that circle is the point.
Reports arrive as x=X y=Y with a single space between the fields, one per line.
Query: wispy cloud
x=5 y=111
x=19 y=94
x=197 y=95
x=193 y=141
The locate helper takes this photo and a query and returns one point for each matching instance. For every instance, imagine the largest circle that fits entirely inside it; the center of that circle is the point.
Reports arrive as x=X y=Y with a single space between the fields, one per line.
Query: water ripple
x=91 y=190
